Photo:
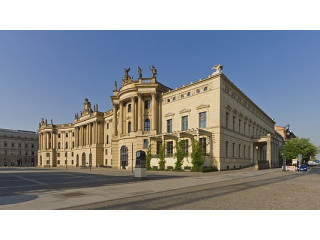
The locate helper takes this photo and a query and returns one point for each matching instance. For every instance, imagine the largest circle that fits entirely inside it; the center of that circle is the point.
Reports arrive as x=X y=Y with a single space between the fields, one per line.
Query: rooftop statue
x=115 y=86
x=140 y=72
x=218 y=68
x=154 y=71
x=126 y=73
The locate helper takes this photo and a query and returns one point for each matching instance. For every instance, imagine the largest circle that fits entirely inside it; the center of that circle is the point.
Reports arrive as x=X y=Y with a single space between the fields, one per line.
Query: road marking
x=27 y=179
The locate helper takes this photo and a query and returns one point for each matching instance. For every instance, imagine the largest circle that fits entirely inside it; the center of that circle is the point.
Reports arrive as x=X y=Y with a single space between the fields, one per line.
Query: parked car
x=302 y=167
x=312 y=163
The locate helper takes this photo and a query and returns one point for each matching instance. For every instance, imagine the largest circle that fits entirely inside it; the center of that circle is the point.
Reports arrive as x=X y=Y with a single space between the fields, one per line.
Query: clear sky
x=50 y=73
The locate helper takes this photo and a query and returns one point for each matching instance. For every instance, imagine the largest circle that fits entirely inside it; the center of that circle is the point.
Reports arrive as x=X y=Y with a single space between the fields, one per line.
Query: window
x=32 y=145
x=204 y=145
x=233 y=146
x=107 y=125
x=12 y=144
x=198 y=91
x=147 y=125
x=58 y=161
x=129 y=127
x=239 y=126
x=72 y=144
x=72 y=162
x=107 y=139
x=26 y=145
x=252 y=130
x=182 y=95
x=32 y=153
x=66 y=145
x=233 y=123
x=227 y=120
x=48 y=154
x=5 y=152
x=244 y=151
x=58 y=154
x=227 y=148
x=106 y=151
x=184 y=145
x=169 y=125
x=145 y=143
x=66 y=134
x=20 y=145
x=26 y=153
x=170 y=148
x=59 y=145
x=72 y=134
x=244 y=127
x=189 y=94
x=203 y=120
x=5 y=144
x=58 y=135
x=106 y=162
x=174 y=98
x=239 y=153
x=129 y=107
x=147 y=104
x=249 y=129
x=71 y=154
x=205 y=89
x=184 y=123
x=168 y=100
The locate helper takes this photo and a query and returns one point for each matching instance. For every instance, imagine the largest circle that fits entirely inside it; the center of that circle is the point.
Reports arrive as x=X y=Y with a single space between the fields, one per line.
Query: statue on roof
x=218 y=68
x=139 y=72
x=126 y=73
x=154 y=71
x=115 y=86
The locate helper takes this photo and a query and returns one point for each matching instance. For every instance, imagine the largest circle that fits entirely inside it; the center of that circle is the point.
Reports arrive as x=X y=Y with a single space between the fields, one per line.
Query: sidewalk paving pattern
x=55 y=198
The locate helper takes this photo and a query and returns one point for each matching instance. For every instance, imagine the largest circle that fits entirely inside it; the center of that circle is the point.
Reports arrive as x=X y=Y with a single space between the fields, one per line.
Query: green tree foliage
x=295 y=146
x=180 y=154
x=162 y=161
x=197 y=158
x=148 y=157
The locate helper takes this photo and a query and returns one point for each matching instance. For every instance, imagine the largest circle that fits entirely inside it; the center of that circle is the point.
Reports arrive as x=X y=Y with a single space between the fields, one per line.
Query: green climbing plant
x=162 y=161
x=148 y=157
x=180 y=154
x=197 y=158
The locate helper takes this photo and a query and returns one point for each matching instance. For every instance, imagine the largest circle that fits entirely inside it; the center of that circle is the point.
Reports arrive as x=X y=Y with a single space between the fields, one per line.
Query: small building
x=18 y=148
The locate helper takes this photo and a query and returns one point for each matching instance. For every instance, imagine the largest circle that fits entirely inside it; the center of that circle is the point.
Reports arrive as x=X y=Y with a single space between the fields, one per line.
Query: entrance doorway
x=84 y=159
x=124 y=157
x=77 y=163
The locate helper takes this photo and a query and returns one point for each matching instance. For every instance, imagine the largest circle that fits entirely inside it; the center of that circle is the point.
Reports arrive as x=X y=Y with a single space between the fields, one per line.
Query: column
x=121 y=119
x=154 y=111
x=94 y=133
x=114 y=122
x=139 y=111
x=133 y=111
x=98 y=131
x=39 y=141
x=47 y=143
x=269 y=152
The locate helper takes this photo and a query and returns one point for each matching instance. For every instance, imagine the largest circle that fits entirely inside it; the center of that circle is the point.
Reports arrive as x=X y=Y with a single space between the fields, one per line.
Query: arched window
x=129 y=107
x=129 y=127
x=147 y=104
x=59 y=145
x=147 y=125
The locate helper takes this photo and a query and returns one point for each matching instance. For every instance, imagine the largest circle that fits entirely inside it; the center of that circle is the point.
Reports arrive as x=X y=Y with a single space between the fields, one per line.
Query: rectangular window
x=58 y=154
x=106 y=152
x=71 y=154
x=185 y=145
x=203 y=120
x=5 y=144
x=169 y=126
x=227 y=120
x=227 y=146
x=170 y=149
x=239 y=154
x=147 y=104
x=58 y=161
x=233 y=123
x=233 y=146
x=239 y=126
x=158 y=147
x=184 y=123
x=145 y=143
x=204 y=145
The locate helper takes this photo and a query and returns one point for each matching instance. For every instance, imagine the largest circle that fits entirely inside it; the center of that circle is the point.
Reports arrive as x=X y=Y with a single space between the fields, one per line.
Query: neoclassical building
x=232 y=129
x=18 y=148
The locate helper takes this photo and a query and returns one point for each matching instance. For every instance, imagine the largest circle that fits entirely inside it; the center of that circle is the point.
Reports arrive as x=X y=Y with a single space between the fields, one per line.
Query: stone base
x=140 y=173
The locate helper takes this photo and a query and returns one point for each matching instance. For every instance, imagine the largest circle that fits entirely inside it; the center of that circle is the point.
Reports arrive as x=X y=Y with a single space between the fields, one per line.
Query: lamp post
x=66 y=160
x=283 y=162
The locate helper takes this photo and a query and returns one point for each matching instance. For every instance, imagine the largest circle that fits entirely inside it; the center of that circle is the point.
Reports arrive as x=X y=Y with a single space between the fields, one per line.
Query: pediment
x=203 y=106
x=185 y=111
x=170 y=114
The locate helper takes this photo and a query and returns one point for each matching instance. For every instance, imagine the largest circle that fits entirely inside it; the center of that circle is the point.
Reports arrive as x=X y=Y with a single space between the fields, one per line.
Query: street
x=109 y=189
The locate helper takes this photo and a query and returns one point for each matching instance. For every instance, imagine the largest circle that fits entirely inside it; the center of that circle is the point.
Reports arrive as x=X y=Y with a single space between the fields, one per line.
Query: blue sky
x=49 y=73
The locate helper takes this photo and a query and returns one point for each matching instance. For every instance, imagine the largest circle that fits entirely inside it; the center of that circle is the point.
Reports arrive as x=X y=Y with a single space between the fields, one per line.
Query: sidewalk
x=76 y=197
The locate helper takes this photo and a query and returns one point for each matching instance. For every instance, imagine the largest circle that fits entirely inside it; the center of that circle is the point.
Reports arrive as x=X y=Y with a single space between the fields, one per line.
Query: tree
x=148 y=157
x=197 y=156
x=162 y=161
x=180 y=154
x=295 y=146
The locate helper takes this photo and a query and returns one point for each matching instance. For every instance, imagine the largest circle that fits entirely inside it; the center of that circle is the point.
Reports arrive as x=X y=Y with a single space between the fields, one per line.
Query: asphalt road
x=277 y=190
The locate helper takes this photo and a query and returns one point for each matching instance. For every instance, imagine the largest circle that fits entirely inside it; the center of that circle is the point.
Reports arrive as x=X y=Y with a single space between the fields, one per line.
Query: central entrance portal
x=124 y=157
